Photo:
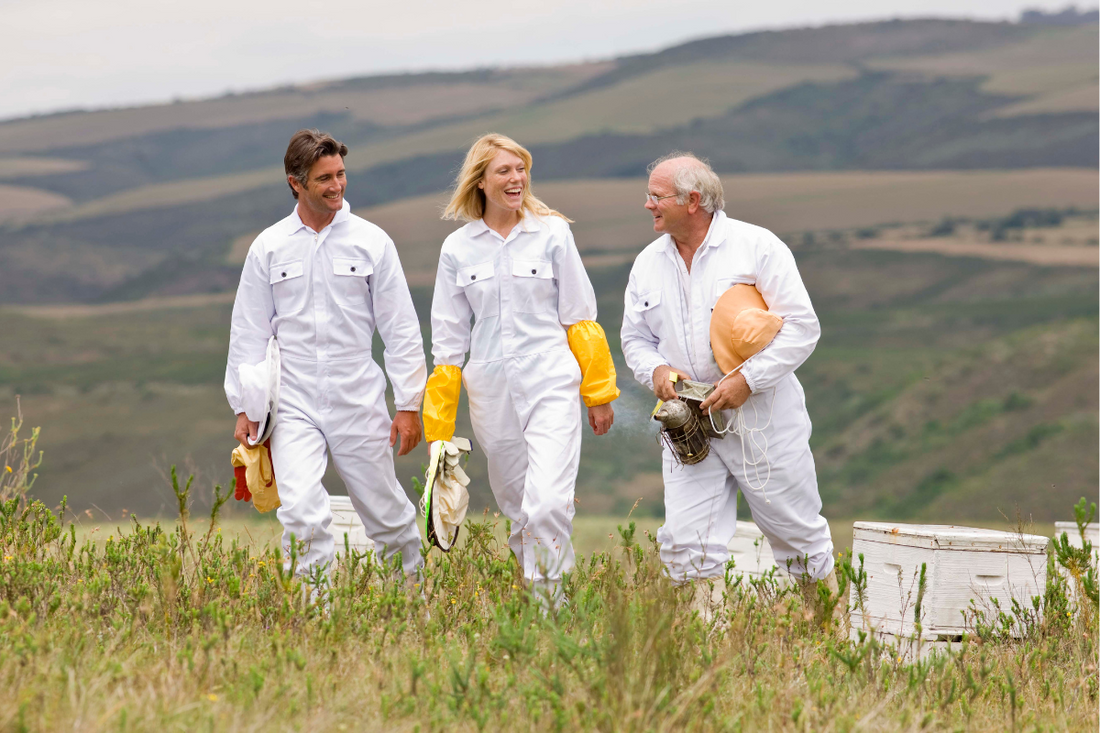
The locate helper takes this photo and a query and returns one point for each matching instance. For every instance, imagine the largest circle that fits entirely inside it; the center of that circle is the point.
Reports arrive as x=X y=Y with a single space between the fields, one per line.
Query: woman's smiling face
x=504 y=182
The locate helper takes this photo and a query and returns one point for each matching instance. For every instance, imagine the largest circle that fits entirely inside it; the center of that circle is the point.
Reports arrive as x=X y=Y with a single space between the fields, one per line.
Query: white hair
x=694 y=174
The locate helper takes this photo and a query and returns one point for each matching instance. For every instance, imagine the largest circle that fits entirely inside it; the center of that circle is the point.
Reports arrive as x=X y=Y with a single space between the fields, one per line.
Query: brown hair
x=306 y=148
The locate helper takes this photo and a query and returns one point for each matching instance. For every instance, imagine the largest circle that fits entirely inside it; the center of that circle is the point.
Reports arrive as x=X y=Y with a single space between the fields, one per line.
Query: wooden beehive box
x=346 y=521
x=750 y=551
x=963 y=564
x=1092 y=532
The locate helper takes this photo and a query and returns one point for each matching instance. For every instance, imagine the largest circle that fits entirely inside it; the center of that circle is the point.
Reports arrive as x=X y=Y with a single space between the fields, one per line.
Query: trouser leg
x=700 y=517
x=553 y=442
x=358 y=432
x=299 y=459
x=500 y=434
x=788 y=507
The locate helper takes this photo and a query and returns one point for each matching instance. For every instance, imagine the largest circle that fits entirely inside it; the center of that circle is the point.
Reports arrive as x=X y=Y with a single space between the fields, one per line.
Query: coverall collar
x=529 y=223
x=294 y=222
x=716 y=234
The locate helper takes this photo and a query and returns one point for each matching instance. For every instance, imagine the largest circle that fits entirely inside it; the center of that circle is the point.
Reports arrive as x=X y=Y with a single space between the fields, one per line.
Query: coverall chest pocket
x=721 y=285
x=533 y=288
x=648 y=308
x=481 y=287
x=349 y=280
x=288 y=287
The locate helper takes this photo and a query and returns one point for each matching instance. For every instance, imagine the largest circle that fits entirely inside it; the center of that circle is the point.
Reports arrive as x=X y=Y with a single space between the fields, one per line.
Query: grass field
x=401 y=102
x=609 y=217
x=21 y=202
x=184 y=627
x=1055 y=70
x=927 y=391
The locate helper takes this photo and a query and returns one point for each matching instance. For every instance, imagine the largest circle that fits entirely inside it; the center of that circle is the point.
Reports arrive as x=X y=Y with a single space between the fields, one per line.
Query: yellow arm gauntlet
x=441 y=403
x=588 y=343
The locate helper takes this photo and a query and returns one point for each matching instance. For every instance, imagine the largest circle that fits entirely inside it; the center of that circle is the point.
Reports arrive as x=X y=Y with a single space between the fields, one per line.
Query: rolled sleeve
x=399 y=327
x=250 y=329
x=639 y=344
x=451 y=316
x=782 y=288
x=576 y=298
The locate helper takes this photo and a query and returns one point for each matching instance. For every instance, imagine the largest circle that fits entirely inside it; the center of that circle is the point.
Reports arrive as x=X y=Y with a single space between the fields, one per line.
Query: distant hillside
x=127 y=203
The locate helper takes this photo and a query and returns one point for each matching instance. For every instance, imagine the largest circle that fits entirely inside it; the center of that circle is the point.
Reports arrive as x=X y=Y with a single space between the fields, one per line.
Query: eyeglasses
x=655 y=199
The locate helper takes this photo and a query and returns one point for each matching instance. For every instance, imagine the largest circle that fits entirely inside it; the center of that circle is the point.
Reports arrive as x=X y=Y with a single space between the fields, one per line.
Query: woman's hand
x=601 y=417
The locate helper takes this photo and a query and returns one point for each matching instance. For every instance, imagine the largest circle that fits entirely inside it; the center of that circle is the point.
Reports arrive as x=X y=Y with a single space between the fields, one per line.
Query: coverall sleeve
x=250 y=329
x=781 y=286
x=577 y=312
x=451 y=320
x=640 y=345
x=397 y=324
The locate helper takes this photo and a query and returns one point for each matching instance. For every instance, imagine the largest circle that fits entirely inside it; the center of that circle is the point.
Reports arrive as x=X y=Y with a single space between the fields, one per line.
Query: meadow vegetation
x=160 y=628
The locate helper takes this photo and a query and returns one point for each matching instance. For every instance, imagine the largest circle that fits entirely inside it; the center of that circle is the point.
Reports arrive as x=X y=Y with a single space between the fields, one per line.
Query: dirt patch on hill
x=1035 y=254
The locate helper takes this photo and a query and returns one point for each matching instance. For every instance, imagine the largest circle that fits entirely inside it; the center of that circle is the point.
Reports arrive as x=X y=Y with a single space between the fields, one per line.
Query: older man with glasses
x=674 y=286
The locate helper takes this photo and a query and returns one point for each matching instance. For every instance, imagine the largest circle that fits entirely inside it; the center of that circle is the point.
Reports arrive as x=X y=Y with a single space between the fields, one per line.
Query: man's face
x=323 y=193
x=668 y=216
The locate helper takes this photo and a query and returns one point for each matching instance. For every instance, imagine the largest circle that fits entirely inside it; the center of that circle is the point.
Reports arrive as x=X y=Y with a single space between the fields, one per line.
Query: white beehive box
x=346 y=522
x=1092 y=531
x=750 y=551
x=963 y=564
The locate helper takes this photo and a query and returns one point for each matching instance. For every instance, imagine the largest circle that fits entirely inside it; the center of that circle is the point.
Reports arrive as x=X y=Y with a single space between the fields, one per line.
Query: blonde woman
x=535 y=351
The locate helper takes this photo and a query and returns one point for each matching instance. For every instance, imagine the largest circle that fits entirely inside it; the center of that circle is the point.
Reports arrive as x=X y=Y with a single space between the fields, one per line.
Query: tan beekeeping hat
x=740 y=326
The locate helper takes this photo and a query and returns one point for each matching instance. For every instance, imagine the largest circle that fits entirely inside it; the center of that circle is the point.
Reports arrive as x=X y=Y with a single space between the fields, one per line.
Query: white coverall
x=523 y=382
x=322 y=294
x=667 y=321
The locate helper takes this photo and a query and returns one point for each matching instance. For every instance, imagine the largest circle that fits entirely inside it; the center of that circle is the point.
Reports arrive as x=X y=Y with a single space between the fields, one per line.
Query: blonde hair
x=468 y=201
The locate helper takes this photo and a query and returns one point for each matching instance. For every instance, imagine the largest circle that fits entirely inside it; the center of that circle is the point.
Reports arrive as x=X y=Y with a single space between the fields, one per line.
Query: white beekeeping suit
x=322 y=295
x=533 y=311
x=667 y=321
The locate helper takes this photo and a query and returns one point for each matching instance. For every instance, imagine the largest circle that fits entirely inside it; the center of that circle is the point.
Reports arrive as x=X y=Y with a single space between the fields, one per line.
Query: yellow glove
x=259 y=475
x=441 y=403
x=588 y=343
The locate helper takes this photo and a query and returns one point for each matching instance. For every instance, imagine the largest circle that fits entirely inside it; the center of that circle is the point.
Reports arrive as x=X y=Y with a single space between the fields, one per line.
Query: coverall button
x=284 y=274
x=533 y=272
x=353 y=269
x=473 y=277
x=647 y=304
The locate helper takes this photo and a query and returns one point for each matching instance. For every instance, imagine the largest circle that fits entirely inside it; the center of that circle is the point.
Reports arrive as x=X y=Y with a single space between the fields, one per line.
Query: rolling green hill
x=947 y=385
x=143 y=201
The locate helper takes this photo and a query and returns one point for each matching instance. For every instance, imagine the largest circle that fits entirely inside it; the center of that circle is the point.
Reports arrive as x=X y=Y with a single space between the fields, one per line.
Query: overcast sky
x=66 y=54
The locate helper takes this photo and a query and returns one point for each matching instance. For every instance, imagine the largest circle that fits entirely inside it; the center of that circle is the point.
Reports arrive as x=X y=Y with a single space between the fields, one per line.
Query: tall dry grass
x=180 y=630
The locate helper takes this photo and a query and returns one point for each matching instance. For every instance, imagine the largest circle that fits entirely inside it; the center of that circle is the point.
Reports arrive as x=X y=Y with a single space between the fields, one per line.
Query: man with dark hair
x=321 y=281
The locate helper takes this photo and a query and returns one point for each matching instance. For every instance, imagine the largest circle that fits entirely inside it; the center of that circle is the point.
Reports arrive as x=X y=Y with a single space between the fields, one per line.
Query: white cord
x=757 y=439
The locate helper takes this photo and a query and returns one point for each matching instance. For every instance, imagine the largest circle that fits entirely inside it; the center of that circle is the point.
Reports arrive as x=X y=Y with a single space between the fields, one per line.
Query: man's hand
x=664 y=389
x=245 y=429
x=730 y=395
x=406 y=424
x=601 y=417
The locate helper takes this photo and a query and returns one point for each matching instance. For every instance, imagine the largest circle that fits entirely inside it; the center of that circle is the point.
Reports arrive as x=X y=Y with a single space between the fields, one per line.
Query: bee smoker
x=685 y=429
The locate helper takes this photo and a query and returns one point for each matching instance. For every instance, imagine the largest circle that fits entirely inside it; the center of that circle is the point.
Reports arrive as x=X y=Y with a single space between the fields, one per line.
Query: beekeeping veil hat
x=260 y=390
x=740 y=326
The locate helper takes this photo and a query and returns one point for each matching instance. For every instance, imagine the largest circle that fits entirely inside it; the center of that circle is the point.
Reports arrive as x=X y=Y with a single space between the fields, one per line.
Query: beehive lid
x=949 y=537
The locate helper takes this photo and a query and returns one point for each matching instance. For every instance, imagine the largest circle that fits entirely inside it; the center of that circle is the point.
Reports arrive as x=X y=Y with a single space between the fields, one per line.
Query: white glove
x=446 y=483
